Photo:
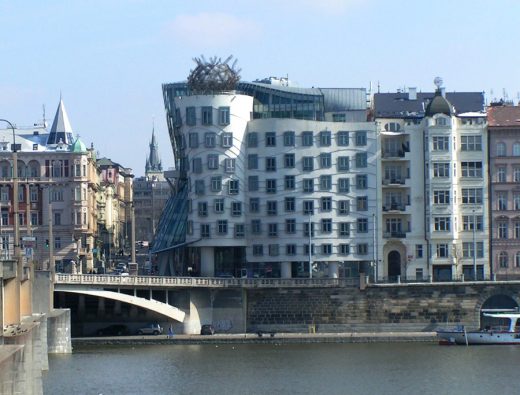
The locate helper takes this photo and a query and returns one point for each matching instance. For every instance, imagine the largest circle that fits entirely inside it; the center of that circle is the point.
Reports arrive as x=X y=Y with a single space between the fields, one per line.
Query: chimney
x=412 y=93
x=443 y=92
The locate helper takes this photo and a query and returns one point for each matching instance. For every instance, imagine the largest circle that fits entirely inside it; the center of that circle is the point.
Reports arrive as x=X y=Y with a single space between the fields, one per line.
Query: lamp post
x=310 y=245
x=16 y=220
x=474 y=248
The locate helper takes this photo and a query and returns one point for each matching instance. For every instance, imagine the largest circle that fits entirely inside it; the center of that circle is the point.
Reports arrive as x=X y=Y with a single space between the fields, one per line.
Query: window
x=471 y=143
x=392 y=127
x=501 y=174
x=517 y=230
x=325 y=160
x=471 y=196
x=441 y=143
x=288 y=161
x=468 y=251
x=326 y=204
x=361 y=159
x=254 y=205
x=191 y=117
x=516 y=149
x=503 y=259
x=272 y=230
x=325 y=138
x=516 y=174
x=308 y=207
x=203 y=209
x=308 y=185
x=442 y=224
x=213 y=162
x=342 y=139
x=210 y=140
x=258 y=249
x=272 y=207
x=222 y=226
x=229 y=165
x=307 y=139
x=326 y=225
x=236 y=209
x=290 y=204
x=501 y=149
x=471 y=169
x=343 y=207
x=252 y=161
x=207 y=115
x=216 y=184
x=199 y=187
x=501 y=201
x=362 y=203
x=252 y=140
x=441 y=197
x=273 y=250
x=233 y=187
x=33 y=193
x=227 y=140
x=290 y=249
x=223 y=115
x=442 y=250
x=270 y=139
x=193 y=140
x=270 y=163
x=344 y=249
x=252 y=183
x=288 y=139
x=308 y=163
x=290 y=226
x=290 y=182
x=343 y=163
x=344 y=229
x=306 y=226
x=418 y=250
x=239 y=231
x=270 y=186
x=326 y=249
x=502 y=230
x=361 y=181
x=343 y=185
x=441 y=122
x=361 y=138
x=517 y=259
x=57 y=218
x=325 y=183
x=34 y=218
x=362 y=249
x=441 y=170
x=362 y=225
x=197 y=165
x=470 y=222
x=57 y=243
x=516 y=201
x=218 y=206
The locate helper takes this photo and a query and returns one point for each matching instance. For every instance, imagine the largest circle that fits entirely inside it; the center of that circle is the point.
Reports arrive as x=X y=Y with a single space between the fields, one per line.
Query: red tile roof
x=503 y=116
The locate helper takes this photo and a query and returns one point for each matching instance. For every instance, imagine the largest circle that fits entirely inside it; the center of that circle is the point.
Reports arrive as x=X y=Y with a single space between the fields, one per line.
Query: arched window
x=22 y=169
x=34 y=169
x=517 y=259
x=392 y=127
x=502 y=259
x=516 y=149
x=5 y=169
x=501 y=149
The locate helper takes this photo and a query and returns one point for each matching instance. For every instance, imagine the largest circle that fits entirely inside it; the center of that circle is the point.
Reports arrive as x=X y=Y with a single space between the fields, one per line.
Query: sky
x=109 y=58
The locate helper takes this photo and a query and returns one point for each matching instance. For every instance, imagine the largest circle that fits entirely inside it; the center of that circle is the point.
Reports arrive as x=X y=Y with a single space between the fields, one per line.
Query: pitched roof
x=61 y=121
x=504 y=116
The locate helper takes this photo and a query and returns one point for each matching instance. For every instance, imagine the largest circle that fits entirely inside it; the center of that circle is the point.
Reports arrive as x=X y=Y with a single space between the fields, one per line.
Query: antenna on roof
x=44 y=121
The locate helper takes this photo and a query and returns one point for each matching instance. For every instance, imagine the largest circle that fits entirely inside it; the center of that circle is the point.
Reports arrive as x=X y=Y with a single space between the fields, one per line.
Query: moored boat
x=506 y=331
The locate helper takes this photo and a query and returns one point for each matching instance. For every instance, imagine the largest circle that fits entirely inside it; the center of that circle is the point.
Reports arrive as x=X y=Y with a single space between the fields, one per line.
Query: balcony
x=395 y=207
x=394 y=235
x=394 y=181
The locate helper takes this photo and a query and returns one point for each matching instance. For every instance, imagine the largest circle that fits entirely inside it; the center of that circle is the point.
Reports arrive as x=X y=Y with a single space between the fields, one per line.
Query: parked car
x=207 y=330
x=113 y=330
x=150 y=329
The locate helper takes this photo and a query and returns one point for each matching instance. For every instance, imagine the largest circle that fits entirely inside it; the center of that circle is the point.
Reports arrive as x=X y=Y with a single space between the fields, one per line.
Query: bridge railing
x=203 y=282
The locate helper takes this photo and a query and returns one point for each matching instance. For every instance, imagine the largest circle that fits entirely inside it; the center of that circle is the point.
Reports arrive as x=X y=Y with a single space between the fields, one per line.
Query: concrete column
x=333 y=270
x=207 y=262
x=286 y=270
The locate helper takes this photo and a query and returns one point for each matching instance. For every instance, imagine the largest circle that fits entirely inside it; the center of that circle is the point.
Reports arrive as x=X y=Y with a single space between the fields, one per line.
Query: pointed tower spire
x=153 y=163
x=61 y=129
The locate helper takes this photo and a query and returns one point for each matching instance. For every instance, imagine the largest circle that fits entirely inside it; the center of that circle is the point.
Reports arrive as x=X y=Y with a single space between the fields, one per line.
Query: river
x=373 y=368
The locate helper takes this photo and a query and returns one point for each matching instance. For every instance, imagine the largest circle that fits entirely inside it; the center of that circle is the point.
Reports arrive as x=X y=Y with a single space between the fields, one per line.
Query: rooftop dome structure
x=439 y=105
x=214 y=75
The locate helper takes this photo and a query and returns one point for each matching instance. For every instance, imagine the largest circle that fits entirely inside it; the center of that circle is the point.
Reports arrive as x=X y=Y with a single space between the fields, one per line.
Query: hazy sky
x=109 y=58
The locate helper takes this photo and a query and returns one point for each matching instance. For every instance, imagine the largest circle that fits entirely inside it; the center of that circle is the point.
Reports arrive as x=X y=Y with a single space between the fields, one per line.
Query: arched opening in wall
x=394 y=265
x=494 y=304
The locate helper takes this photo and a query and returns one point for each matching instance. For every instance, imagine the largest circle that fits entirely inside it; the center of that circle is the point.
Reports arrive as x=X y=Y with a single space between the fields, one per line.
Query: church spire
x=153 y=162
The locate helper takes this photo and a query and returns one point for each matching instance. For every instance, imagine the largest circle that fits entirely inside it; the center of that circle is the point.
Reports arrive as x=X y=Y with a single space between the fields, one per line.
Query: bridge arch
x=498 y=300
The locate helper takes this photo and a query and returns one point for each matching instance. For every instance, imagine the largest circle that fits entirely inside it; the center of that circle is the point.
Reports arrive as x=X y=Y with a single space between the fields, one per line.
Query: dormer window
x=35 y=147
x=441 y=121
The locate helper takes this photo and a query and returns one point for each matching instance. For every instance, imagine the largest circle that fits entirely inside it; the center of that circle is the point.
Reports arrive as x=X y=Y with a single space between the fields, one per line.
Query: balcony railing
x=394 y=207
x=394 y=235
x=394 y=181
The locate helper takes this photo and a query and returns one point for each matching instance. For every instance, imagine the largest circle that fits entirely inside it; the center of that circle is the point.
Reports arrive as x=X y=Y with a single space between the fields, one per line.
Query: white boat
x=505 y=332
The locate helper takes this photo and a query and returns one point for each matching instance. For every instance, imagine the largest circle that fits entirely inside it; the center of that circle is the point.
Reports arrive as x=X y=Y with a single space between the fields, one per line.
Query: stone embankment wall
x=377 y=308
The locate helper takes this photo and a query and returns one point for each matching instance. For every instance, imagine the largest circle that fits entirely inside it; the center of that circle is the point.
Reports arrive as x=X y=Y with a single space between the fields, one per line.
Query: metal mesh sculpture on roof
x=214 y=75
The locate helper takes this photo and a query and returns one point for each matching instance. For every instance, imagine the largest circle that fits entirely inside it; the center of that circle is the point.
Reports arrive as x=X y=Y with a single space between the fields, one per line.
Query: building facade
x=277 y=181
x=504 y=175
x=434 y=184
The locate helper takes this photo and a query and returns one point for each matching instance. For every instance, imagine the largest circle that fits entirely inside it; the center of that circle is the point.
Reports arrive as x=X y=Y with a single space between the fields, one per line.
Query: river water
x=375 y=368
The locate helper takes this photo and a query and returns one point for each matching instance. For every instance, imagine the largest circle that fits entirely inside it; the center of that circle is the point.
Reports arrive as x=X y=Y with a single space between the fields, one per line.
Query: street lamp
x=310 y=245
x=474 y=248
x=16 y=243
